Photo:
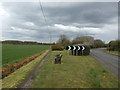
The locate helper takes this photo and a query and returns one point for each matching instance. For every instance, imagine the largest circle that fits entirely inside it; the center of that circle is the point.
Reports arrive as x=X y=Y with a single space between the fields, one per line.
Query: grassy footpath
x=15 y=53
x=19 y=75
x=74 y=72
x=112 y=52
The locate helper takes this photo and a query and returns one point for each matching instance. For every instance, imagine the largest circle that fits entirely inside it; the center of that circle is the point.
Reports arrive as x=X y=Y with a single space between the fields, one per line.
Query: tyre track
x=31 y=76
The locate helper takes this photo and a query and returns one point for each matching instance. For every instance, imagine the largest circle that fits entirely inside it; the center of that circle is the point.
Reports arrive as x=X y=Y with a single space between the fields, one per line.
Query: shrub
x=5 y=72
x=87 y=50
x=114 y=45
x=57 y=47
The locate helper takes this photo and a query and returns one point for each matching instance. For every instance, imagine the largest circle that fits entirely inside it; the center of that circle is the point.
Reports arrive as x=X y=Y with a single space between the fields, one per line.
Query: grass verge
x=112 y=52
x=19 y=75
x=74 y=72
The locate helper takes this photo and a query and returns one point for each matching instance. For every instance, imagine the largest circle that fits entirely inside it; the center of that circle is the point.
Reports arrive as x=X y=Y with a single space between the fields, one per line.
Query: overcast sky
x=25 y=21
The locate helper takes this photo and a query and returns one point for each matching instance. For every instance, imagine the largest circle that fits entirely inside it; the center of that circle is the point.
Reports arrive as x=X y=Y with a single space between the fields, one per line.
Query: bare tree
x=64 y=40
x=98 y=43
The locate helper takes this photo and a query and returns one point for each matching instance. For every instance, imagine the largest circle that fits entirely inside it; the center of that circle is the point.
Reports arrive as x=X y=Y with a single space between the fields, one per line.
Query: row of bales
x=11 y=68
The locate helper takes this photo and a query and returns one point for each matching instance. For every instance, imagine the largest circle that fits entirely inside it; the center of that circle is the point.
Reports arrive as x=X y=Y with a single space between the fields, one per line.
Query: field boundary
x=32 y=74
x=17 y=77
x=13 y=67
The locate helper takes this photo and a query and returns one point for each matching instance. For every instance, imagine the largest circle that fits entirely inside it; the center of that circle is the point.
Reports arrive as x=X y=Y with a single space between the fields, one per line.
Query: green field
x=20 y=74
x=74 y=72
x=15 y=53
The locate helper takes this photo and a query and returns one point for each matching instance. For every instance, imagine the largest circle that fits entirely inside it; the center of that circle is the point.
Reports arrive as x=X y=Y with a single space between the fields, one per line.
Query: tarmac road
x=108 y=60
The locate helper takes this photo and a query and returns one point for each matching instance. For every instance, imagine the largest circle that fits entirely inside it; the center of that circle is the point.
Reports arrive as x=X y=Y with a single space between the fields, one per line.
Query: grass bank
x=19 y=75
x=74 y=72
x=112 y=52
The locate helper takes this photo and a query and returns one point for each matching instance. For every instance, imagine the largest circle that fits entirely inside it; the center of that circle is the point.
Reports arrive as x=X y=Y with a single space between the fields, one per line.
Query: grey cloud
x=79 y=14
x=86 y=13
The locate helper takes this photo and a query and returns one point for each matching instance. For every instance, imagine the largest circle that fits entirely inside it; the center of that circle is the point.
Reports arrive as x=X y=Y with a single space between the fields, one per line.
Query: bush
x=57 y=47
x=114 y=45
x=87 y=50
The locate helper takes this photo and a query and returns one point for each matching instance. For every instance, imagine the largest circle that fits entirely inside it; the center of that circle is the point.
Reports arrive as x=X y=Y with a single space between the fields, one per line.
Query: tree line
x=81 y=40
x=89 y=41
x=24 y=42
